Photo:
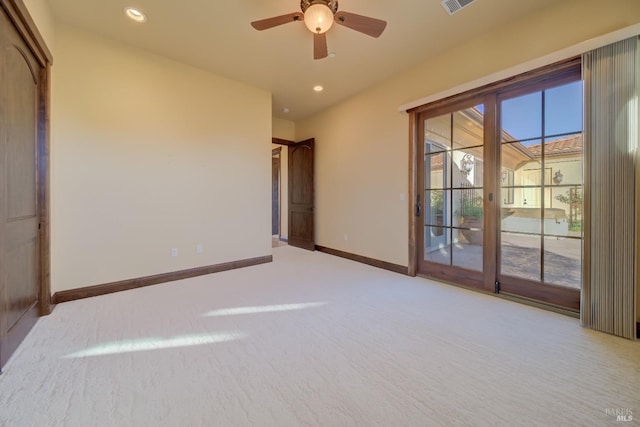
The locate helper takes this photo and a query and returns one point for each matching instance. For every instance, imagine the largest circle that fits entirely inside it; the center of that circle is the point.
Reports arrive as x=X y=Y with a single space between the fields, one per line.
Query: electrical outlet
x=174 y=251
x=346 y=237
x=199 y=248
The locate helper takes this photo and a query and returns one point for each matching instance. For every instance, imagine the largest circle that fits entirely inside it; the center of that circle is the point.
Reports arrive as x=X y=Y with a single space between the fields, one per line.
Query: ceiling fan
x=319 y=16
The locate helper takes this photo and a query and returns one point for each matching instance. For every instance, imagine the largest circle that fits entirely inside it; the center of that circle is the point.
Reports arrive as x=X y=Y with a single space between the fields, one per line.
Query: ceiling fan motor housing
x=331 y=4
x=319 y=16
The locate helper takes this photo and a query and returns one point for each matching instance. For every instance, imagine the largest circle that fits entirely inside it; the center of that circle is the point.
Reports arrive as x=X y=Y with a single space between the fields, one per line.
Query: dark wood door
x=19 y=223
x=301 y=195
x=275 y=196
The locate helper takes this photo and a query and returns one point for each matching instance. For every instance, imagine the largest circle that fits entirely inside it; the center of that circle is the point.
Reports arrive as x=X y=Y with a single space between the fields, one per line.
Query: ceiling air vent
x=453 y=6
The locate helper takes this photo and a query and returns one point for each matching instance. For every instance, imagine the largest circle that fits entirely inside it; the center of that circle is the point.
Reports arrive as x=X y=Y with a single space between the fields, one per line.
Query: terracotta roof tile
x=560 y=147
x=568 y=145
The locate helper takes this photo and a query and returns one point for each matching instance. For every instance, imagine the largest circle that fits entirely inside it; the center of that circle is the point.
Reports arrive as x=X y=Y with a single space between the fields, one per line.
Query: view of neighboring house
x=539 y=197
x=562 y=192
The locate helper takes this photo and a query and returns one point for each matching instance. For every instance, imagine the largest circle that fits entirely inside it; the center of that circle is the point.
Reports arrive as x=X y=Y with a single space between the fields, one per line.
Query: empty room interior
x=319 y=213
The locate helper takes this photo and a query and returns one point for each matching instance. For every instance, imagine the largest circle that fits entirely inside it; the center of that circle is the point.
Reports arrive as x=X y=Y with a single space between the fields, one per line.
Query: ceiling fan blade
x=320 y=46
x=265 y=24
x=370 y=26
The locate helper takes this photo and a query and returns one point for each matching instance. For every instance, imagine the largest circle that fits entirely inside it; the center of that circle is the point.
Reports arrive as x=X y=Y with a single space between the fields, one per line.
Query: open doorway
x=296 y=192
x=275 y=192
x=276 y=197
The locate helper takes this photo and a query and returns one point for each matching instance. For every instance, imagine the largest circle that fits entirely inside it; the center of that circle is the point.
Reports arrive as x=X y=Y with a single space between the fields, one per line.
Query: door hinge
x=496 y=288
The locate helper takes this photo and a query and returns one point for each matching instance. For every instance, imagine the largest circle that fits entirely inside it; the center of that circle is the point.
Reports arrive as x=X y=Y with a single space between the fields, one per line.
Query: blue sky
x=522 y=116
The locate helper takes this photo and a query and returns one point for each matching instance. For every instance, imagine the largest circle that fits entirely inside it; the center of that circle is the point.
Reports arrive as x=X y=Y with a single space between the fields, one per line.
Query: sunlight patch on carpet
x=262 y=309
x=148 y=344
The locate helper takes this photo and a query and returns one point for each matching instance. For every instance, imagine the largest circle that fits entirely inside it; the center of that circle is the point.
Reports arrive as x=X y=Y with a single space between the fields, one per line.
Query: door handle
x=418 y=206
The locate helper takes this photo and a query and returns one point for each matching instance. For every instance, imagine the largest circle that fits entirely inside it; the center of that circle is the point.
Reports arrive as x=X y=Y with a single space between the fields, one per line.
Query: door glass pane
x=563 y=262
x=515 y=153
x=565 y=170
x=438 y=206
x=563 y=109
x=521 y=256
x=468 y=127
x=532 y=198
x=567 y=207
x=437 y=168
x=437 y=133
x=521 y=220
x=563 y=225
x=468 y=168
x=521 y=117
x=507 y=182
x=541 y=186
x=453 y=178
x=468 y=207
x=468 y=218
x=467 y=249
x=436 y=247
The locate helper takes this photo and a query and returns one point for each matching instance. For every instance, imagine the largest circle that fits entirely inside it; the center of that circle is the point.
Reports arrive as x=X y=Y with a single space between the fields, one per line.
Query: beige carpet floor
x=315 y=340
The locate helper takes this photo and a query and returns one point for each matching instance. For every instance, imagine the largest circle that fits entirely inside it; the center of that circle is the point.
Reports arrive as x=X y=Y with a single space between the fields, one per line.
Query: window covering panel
x=611 y=80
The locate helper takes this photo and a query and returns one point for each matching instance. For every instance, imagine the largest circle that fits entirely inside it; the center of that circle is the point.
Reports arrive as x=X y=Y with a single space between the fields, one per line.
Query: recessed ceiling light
x=135 y=14
x=318 y=88
x=285 y=110
x=332 y=54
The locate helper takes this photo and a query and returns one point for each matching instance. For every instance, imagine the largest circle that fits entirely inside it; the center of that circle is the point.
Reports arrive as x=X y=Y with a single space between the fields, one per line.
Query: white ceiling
x=215 y=35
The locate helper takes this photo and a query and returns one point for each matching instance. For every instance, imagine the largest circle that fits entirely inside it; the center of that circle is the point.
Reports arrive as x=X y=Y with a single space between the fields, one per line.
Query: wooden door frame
x=26 y=27
x=285 y=143
x=276 y=154
x=291 y=144
x=412 y=268
x=460 y=275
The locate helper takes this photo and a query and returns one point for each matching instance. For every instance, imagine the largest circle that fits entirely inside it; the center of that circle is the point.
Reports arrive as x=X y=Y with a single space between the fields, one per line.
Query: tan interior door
x=19 y=255
x=301 y=195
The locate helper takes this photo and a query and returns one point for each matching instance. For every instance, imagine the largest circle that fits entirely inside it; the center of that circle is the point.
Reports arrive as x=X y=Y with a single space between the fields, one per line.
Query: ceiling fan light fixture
x=318 y=18
x=135 y=14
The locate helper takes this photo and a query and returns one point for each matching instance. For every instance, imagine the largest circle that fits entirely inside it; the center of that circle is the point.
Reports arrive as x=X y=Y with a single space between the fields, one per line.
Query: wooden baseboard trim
x=125 y=285
x=364 y=260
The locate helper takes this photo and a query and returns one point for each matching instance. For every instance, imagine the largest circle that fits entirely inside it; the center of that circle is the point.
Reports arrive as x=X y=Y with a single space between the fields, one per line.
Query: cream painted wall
x=361 y=173
x=362 y=143
x=147 y=155
x=42 y=15
x=284 y=129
